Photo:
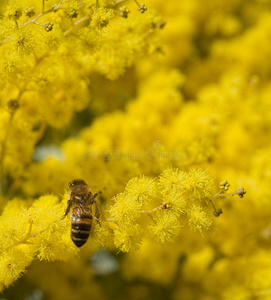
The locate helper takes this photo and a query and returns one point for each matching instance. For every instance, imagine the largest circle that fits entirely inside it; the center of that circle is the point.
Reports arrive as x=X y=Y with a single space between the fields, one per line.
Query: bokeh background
x=197 y=89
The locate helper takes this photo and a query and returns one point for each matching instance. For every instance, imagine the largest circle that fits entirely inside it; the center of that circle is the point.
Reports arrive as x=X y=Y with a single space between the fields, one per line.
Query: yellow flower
x=172 y=180
x=128 y=239
x=199 y=221
x=142 y=188
x=13 y=11
x=125 y=209
x=166 y=228
x=101 y=17
x=199 y=184
x=22 y=41
x=13 y=263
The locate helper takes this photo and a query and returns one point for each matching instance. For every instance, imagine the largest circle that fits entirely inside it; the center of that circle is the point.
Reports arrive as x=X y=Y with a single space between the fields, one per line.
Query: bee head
x=76 y=182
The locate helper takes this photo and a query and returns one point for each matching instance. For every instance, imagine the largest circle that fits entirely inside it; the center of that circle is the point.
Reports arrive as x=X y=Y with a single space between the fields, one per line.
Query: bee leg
x=68 y=207
x=97 y=207
x=97 y=219
x=97 y=194
x=98 y=211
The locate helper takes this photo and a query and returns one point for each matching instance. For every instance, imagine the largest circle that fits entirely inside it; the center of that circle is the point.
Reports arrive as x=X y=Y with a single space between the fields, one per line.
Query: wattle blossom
x=164 y=109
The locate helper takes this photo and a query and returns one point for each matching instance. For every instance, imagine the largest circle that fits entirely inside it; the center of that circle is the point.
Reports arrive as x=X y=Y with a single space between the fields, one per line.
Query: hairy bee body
x=81 y=221
x=80 y=201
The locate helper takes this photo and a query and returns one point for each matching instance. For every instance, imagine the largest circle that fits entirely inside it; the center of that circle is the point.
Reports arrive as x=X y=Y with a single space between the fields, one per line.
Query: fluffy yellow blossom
x=142 y=189
x=175 y=203
x=101 y=17
x=166 y=228
x=135 y=208
x=103 y=234
x=125 y=209
x=26 y=233
x=14 y=224
x=13 y=263
x=13 y=11
x=128 y=239
x=199 y=221
x=172 y=180
x=22 y=41
x=154 y=105
x=199 y=184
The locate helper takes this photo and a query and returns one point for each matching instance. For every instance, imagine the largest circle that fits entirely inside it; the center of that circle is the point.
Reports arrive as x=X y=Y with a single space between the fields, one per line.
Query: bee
x=80 y=202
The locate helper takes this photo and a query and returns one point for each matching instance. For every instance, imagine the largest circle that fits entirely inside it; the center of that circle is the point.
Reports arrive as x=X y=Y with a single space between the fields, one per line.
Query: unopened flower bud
x=29 y=12
x=142 y=8
x=48 y=26
x=124 y=11
x=73 y=14
x=217 y=212
x=241 y=192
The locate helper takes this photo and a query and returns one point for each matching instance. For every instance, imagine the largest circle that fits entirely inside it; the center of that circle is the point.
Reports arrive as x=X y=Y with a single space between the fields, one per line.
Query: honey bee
x=80 y=201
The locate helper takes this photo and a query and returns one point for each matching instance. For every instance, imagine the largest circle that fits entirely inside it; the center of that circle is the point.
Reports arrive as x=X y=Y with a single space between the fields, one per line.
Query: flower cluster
x=31 y=231
x=46 y=60
x=37 y=230
x=154 y=104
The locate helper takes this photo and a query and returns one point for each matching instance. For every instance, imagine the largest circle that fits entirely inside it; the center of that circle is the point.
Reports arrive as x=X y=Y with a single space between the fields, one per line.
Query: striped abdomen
x=81 y=220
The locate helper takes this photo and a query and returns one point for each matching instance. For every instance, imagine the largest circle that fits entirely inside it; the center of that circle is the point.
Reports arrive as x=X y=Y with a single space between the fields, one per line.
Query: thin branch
x=221 y=195
x=42 y=10
x=153 y=210
x=38 y=24
x=240 y=192
x=77 y=23
x=53 y=9
x=27 y=236
x=114 y=3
